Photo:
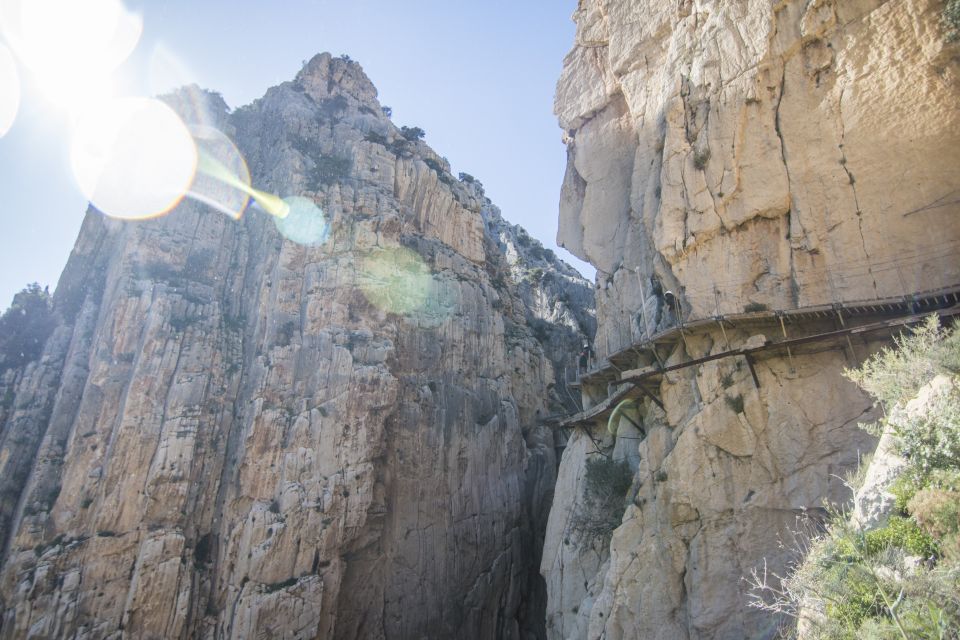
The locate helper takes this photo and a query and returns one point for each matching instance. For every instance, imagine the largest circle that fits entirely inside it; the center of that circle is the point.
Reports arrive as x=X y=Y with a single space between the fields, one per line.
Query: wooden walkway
x=850 y=319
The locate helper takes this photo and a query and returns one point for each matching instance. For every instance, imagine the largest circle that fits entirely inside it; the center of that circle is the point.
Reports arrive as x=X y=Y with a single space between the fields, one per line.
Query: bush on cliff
x=25 y=327
x=599 y=512
x=951 y=20
x=902 y=579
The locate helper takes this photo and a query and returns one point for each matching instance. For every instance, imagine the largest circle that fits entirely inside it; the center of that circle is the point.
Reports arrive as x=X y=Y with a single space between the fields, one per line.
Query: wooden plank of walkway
x=892 y=304
x=637 y=377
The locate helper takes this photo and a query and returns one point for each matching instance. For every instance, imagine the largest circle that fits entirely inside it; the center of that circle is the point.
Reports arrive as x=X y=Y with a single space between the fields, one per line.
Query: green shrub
x=930 y=438
x=857 y=477
x=285 y=333
x=896 y=374
x=938 y=514
x=903 y=490
x=41 y=547
x=198 y=263
x=25 y=327
x=862 y=581
x=332 y=107
x=412 y=133
x=434 y=165
x=328 y=170
x=180 y=323
x=902 y=533
x=401 y=147
x=541 y=329
x=605 y=486
x=735 y=403
x=700 y=158
x=856 y=596
x=277 y=586
x=375 y=138
x=951 y=20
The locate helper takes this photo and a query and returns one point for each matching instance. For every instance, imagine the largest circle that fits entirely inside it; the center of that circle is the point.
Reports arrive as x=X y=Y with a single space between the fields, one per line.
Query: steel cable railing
x=903 y=276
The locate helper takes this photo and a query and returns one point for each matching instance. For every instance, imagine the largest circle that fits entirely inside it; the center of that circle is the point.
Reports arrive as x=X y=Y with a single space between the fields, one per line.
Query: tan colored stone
x=233 y=434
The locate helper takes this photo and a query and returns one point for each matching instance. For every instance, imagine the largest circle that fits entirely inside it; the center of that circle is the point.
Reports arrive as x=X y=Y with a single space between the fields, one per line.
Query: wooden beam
x=753 y=372
x=647 y=393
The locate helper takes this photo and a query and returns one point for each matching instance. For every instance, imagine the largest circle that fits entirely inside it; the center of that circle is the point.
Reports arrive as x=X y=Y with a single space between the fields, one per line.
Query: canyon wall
x=310 y=427
x=746 y=156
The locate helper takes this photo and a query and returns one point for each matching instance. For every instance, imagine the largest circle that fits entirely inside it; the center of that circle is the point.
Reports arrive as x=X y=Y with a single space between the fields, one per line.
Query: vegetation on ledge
x=900 y=579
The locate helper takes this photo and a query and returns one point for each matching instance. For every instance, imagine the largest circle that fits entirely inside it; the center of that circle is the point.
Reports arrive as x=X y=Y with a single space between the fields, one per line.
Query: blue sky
x=478 y=77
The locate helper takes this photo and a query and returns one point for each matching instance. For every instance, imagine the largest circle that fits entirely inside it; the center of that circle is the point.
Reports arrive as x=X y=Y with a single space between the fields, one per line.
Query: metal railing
x=900 y=277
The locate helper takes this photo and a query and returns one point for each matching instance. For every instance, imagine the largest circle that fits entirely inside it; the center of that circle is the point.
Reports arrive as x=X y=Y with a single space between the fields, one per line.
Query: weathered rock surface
x=235 y=434
x=873 y=504
x=783 y=154
x=746 y=156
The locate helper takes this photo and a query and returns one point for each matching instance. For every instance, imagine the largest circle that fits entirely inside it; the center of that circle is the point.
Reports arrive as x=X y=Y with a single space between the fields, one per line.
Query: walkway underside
x=828 y=327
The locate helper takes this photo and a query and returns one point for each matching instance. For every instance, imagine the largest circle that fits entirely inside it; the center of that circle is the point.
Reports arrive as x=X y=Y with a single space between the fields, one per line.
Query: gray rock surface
x=234 y=434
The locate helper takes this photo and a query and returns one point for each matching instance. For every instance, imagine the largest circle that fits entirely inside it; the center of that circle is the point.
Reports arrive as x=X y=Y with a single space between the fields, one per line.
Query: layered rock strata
x=746 y=157
x=248 y=429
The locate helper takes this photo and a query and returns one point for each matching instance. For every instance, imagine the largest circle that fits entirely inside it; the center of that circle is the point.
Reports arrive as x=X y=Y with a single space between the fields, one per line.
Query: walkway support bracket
x=647 y=393
x=753 y=371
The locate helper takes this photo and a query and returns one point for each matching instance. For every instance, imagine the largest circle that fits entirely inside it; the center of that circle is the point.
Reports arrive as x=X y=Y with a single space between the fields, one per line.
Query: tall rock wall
x=241 y=429
x=746 y=156
x=778 y=153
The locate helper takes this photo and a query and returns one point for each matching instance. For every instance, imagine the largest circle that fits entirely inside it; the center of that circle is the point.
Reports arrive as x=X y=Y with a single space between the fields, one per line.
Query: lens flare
x=397 y=280
x=272 y=204
x=70 y=47
x=133 y=158
x=220 y=168
x=9 y=90
x=210 y=166
x=305 y=223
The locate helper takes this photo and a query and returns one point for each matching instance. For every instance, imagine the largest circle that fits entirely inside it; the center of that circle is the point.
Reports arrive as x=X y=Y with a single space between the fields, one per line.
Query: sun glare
x=304 y=223
x=133 y=158
x=70 y=47
x=223 y=179
x=396 y=280
x=9 y=90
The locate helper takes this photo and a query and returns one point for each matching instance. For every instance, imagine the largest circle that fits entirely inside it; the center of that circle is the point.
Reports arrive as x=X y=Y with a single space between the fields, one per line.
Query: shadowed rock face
x=744 y=155
x=232 y=434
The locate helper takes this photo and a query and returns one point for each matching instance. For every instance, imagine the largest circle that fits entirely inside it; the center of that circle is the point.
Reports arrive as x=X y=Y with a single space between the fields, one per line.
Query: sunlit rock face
x=310 y=427
x=744 y=155
x=786 y=154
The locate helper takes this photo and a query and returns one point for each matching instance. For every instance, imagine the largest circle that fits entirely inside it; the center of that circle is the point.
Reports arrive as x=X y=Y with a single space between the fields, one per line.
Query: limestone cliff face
x=746 y=156
x=234 y=433
x=786 y=154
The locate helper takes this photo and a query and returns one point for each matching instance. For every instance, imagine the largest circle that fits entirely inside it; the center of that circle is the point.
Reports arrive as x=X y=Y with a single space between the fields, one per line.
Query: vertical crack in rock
x=853 y=188
x=235 y=431
x=721 y=471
